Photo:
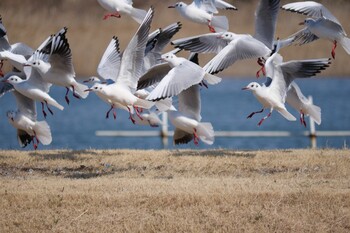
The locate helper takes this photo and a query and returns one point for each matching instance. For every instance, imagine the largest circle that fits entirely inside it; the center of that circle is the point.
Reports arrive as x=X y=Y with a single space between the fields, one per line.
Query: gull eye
x=252 y=85
x=96 y=88
x=34 y=63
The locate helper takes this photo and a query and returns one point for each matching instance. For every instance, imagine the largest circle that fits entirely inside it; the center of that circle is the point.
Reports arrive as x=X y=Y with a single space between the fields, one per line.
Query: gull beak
x=26 y=64
x=5 y=81
x=245 y=88
x=301 y=23
x=173 y=6
x=88 y=90
x=86 y=81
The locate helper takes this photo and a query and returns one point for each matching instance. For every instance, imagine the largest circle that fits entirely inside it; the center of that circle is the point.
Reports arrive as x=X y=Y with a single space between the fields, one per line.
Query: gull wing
x=206 y=5
x=4 y=42
x=35 y=79
x=153 y=75
x=224 y=5
x=132 y=61
x=242 y=48
x=311 y=9
x=165 y=36
x=109 y=65
x=178 y=79
x=303 y=36
x=190 y=102
x=26 y=106
x=23 y=138
x=181 y=137
x=265 y=21
x=206 y=43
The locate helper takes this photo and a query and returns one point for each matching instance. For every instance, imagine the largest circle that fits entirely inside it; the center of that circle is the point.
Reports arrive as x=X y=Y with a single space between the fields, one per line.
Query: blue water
x=224 y=105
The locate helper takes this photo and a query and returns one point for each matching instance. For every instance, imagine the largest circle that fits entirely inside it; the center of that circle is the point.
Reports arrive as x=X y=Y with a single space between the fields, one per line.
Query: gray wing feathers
x=153 y=75
x=190 y=102
x=109 y=65
x=26 y=106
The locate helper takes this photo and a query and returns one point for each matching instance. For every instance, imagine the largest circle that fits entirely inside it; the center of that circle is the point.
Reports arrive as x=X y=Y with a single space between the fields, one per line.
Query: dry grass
x=31 y=21
x=175 y=191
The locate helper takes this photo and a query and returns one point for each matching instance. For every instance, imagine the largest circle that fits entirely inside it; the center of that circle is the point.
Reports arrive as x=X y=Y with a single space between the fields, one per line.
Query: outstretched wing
x=109 y=65
x=26 y=106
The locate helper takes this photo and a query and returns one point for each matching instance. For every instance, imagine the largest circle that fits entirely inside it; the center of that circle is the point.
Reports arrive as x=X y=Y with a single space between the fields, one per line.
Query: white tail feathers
x=144 y=103
x=345 y=42
x=220 y=23
x=80 y=90
x=205 y=132
x=138 y=15
x=314 y=112
x=164 y=104
x=286 y=114
x=43 y=132
x=212 y=79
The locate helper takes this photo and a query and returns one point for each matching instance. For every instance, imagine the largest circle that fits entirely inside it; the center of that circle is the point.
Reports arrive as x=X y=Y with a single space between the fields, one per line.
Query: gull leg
x=107 y=114
x=333 y=49
x=1 y=65
x=108 y=15
x=262 y=120
x=35 y=145
x=48 y=108
x=138 y=113
x=114 y=114
x=253 y=113
x=203 y=84
x=195 y=137
x=262 y=69
x=302 y=119
x=75 y=94
x=43 y=110
x=211 y=28
x=66 y=96
x=130 y=116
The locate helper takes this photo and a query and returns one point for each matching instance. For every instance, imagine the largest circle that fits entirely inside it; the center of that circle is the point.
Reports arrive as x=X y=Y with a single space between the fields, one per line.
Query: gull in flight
x=129 y=69
x=53 y=61
x=323 y=24
x=118 y=7
x=303 y=105
x=24 y=120
x=187 y=119
x=272 y=93
x=231 y=47
x=199 y=12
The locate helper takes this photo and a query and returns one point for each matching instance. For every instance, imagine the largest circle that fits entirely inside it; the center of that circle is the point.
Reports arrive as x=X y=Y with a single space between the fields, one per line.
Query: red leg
x=253 y=113
x=302 y=119
x=130 y=116
x=75 y=94
x=116 y=14
x=35 y=144
x=138 y=113
x=333 y=49
x=262 y=69
x=107 y=114
x=48 y=108
x=211 y=28
x=195 y=137
x=262 y=120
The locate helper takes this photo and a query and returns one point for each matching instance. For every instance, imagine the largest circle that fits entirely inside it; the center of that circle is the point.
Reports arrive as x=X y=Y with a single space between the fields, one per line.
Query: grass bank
x=175 y=191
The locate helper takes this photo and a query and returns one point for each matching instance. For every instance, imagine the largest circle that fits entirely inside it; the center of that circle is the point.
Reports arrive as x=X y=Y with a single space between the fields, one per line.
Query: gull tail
x=345 y=42
x=212 y=79
x=43 y=132
x=164 y=104
x=138 y=15
x=80 y=90
x=315 y=113
x=286 y=114
x=144 y=103
x=220 y=23
x=205 y=132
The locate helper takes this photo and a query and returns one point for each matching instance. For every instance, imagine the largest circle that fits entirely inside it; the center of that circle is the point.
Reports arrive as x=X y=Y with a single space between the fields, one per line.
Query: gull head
x=171 y=58
x=14 y=79
x=253 y=86
x=178 y=6
x=228 y=36
x=97 y=87
x=308 y=22
x=92 y=80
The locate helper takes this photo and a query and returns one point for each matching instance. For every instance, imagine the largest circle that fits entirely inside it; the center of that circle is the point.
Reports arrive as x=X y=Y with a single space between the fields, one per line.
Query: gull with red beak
x=323 y=24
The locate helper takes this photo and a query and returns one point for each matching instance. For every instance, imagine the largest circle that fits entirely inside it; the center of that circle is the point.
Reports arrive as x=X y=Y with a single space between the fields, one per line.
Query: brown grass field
x=31 y=21
x=175 y=191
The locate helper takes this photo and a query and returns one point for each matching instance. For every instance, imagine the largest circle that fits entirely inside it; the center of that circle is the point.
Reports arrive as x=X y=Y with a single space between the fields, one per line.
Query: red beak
x=5 y=81
x=171 y=6
x=245 y=88
x=88 y=90
x=301 y=23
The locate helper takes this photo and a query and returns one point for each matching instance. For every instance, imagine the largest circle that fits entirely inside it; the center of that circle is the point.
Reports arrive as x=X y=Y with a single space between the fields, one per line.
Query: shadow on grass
x=67 y=155
x=213 y=153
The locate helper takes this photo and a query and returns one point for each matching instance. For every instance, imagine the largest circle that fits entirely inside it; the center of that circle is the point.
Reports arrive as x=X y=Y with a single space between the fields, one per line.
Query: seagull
x=116 y=7
x=303 y=105
x=272 y=93
x=34 y=88
x=231 y=47
x=196 y=14
x=7 y=48
x=187 y=119
x=24 y=120
x=122 y=91
x=53 y=61
x=150 y=118
x=182 y=75
x=323 y=24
